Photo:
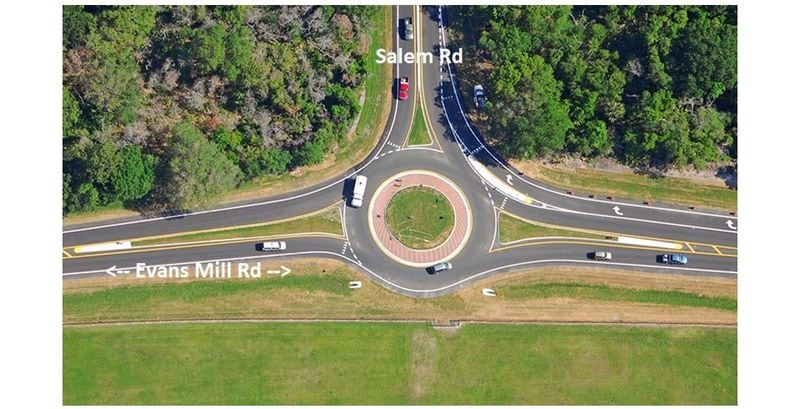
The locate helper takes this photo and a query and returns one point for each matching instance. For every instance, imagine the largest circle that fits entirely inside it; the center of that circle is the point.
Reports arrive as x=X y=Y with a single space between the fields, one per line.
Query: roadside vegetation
x=420 y=217
x=602 y=292
x=636 y=187
x=419 y=131
x=651 y=86
x=319 y=289
x=328 y=221
x=172 y=107
x=317 y=363
x=512 y=229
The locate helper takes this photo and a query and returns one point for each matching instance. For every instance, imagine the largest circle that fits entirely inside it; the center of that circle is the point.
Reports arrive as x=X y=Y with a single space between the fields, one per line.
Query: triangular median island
x=512 y=228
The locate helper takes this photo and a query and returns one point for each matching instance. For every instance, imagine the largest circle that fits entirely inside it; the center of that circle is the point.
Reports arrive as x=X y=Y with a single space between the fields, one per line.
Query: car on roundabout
x=438 y=268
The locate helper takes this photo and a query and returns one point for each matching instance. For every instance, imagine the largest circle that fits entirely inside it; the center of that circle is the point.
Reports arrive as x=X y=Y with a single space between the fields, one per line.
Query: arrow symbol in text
x=283 y=271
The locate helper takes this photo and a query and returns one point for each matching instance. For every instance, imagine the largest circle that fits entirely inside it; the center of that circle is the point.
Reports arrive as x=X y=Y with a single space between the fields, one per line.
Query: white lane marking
x=649 y=243
x=433 y=290
x=617 y=210
x=109 y=246
x=497 y=183
x=334 y=183
x=730 y=225
x=460 y=108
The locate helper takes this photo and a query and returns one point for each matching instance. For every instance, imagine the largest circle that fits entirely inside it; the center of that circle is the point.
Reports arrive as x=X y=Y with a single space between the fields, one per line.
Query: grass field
x=513 y=229
x=420 y=217
x=639 y=187
x=329 y=221
x=419 y=132
x=318 y=289
x=601 y=292
x=374 y=363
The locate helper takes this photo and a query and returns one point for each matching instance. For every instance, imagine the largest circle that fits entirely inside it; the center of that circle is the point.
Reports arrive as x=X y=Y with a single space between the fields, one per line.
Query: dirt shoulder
x=317 y=289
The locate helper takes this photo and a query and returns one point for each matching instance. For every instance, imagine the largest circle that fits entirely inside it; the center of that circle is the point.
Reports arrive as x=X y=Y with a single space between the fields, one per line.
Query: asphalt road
x=487 y=181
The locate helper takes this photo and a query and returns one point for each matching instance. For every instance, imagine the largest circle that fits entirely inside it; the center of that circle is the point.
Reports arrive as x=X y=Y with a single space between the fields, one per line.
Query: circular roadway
x=391 y=246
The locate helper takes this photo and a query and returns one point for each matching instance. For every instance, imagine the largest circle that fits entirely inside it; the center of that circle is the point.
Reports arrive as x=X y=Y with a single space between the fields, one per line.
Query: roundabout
x=419 y=218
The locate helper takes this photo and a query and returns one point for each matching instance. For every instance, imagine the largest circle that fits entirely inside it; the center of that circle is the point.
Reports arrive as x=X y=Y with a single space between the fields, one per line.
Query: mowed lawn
x=377 y=363
x=420 y=217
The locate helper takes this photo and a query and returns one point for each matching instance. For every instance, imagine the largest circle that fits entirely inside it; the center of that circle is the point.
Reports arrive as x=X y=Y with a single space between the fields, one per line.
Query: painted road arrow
x=616 y=210
x=283 y=271
x=508 y=180
x=730 y=225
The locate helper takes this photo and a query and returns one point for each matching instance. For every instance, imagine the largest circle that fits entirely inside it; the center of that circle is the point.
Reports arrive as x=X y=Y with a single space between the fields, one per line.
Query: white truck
x=359 y=188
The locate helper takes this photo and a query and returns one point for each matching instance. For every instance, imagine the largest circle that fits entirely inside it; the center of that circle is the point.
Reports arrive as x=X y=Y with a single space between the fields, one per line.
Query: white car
x=272 y=246
x=478 y=97
x=602 y=255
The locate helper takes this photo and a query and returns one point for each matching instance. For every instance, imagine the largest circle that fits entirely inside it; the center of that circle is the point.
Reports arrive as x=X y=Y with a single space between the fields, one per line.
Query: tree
x=528 y=114
x=71 y=112
x=135 y=176
x=658 y=132
x=209 y=48
x=197 y=171
x=704 y=58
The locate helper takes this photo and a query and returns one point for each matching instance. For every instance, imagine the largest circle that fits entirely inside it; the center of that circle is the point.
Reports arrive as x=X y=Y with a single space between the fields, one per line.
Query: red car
x=403 y=93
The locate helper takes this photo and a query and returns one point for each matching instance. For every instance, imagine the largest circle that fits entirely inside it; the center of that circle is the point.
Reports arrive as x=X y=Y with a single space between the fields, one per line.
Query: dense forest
x=653 y=86
x=166 y=107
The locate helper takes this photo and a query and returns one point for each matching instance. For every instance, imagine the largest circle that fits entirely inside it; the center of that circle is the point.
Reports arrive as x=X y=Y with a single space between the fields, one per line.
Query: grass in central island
x=381 y=363
x=420 y=217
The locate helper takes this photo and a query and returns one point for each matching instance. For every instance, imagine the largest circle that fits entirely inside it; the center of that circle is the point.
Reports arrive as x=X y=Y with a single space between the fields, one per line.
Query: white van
x=359 y=188
x=273 y=246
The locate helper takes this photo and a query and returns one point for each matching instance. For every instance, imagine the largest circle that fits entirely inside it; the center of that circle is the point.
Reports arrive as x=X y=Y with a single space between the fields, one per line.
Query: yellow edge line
x=206 y=243
x=186 y=233
x=609 y=244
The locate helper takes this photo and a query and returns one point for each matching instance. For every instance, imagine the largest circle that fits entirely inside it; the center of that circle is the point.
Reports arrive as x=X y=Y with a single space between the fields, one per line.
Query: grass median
x=381 y=363
x=328 y=221
x=419 y=131
x=512 y=229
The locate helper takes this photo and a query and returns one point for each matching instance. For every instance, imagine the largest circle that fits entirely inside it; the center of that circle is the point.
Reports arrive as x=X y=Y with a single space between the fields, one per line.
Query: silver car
x=438 y=268
x=409 y=28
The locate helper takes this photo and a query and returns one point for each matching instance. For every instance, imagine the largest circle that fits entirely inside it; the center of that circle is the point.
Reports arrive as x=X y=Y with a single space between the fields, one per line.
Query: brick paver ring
x=462 y=226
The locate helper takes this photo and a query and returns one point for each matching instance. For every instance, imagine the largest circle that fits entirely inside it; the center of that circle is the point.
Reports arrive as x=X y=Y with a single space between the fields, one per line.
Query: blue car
x=674 y=259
